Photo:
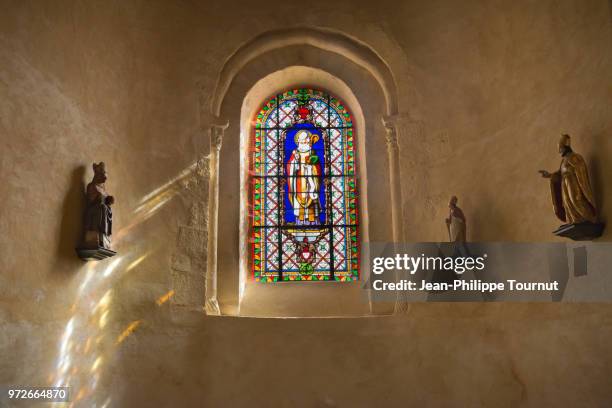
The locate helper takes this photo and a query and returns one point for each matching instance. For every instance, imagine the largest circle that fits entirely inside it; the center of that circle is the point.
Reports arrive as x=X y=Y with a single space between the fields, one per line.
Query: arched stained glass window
x=303 y=190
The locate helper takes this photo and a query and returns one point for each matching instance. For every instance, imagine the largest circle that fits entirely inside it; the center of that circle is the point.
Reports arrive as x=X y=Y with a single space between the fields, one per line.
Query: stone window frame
x=338 y=56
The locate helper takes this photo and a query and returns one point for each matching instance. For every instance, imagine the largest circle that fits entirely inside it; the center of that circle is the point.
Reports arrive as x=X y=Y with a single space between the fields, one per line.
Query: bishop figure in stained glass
x=303 y=190
x=304 y=174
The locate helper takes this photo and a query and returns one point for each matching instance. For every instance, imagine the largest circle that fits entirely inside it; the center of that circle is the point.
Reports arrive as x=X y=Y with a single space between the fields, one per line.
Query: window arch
x=304 y=223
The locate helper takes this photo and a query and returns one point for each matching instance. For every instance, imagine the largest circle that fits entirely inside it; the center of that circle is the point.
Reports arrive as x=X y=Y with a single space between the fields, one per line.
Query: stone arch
x=368 y=78
x=325 y=39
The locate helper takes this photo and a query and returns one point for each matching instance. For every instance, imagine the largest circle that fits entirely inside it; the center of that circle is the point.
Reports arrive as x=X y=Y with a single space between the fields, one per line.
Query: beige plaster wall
x=499 y=84
x=487 y=87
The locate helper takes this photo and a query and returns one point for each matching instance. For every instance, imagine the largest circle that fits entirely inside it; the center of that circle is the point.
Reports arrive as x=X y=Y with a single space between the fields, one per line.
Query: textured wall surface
x=486 y=87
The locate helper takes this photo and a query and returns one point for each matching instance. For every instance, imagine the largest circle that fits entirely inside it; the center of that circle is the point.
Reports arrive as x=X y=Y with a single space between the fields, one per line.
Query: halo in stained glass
x=303 y=190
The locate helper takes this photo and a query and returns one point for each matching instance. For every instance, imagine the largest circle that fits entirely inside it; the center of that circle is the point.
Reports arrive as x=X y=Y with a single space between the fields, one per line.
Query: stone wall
x=485 y=89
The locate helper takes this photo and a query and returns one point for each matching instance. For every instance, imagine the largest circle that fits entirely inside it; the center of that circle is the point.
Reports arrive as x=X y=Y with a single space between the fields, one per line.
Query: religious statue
x=572 y=197
x=98 y=222
x=304 y=179
x=456 y=223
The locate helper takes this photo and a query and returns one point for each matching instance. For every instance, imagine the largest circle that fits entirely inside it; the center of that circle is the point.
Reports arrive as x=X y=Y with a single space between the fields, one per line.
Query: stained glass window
x=303 y=190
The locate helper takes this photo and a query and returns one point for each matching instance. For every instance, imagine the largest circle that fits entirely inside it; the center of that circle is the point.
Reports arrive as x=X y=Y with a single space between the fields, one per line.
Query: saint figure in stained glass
x=304 y=179
x=303 y=190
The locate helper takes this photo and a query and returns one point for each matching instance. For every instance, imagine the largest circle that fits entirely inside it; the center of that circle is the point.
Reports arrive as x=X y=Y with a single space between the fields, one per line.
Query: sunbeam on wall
x=89 y=340
x=152 y=202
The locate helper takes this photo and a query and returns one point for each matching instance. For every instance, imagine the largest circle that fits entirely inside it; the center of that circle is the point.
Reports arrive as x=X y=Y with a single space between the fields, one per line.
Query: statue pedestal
x=94 y=254
x=584 y=231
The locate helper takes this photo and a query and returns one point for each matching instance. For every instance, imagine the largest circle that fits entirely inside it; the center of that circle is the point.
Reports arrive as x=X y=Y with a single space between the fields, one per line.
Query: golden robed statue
x=572 y=196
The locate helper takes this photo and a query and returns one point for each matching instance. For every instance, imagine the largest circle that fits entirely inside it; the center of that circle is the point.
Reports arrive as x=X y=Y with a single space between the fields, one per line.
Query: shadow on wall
x=71 y=222
x=599 y=172
x=483 y=220
x=558 y=269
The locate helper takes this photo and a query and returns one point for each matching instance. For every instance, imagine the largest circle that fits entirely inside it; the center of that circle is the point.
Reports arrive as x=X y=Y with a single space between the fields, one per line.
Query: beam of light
x=87 y=345
x=104 y=302
x=67 y=334
x=136 y=262
x=111 y=267
x=103 y=319
x=165 y=297
x=83 y=349
x=128 y=331
x=157 y=204
x=92 y=297
x=145 y=212
x=152 y=202
x=183 y=174
x=89 y=273
x=79 y=395
x=96 y=364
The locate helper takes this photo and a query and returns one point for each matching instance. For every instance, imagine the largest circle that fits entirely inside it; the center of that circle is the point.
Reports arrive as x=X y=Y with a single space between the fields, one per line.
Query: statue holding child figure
x=98 y=220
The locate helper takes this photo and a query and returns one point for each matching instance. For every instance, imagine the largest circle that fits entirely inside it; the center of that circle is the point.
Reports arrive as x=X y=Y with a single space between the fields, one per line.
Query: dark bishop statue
x=98 y=222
